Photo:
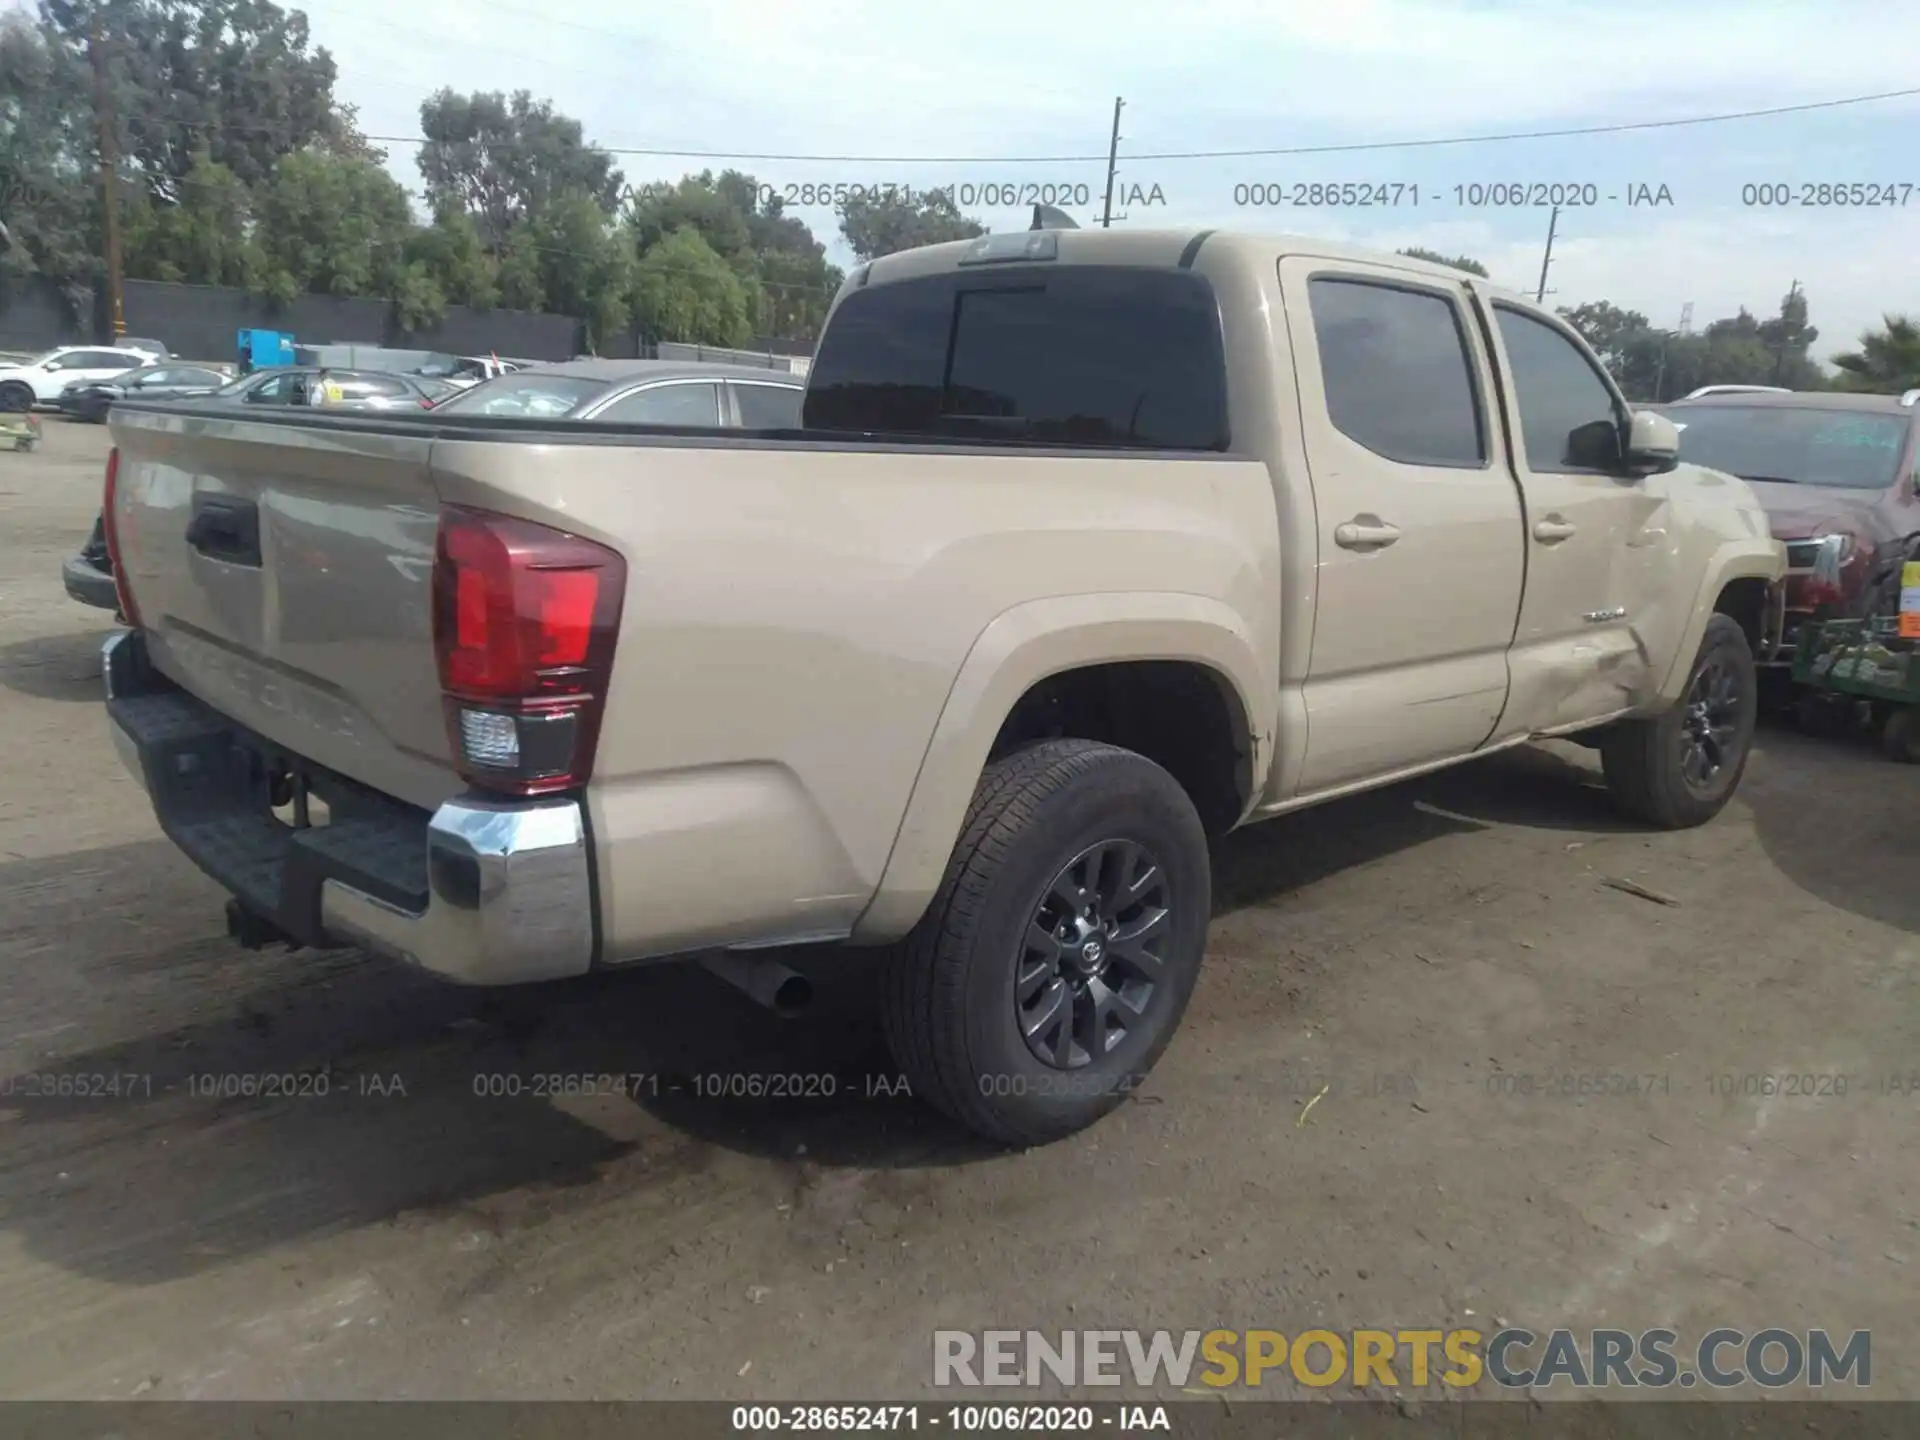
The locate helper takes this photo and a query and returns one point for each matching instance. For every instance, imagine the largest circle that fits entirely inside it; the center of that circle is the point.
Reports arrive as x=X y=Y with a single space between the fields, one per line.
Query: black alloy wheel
x=1089 y=965
x=1710 y=730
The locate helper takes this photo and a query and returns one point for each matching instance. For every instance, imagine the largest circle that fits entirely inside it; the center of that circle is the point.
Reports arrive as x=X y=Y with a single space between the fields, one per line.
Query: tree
x=205 y=237
x=332 y=225
x=237 y=80
x=586 y=268
x=1790 y=337
x=48 y=201
x=518 y=274
x=685 y=291
x=503 y=160
x=881 y=225
x=1888 y=360
x=1606 y=327
x=449 y=254
x=784 y=267
x=1434 y=257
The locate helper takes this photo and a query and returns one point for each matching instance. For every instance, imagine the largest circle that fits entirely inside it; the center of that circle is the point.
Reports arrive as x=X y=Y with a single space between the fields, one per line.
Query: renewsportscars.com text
x=1510 y=1358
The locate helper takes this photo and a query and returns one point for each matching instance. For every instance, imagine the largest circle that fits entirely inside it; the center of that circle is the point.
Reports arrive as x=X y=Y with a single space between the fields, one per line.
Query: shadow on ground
x=159 y=1156
x=55 y=667
x=1841 y=821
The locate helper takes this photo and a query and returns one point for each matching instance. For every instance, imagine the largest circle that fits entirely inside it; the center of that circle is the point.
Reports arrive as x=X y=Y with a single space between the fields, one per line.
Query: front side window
x=1398 y=376
x=530 y=395
x=1569 y=420
x=1099 y=356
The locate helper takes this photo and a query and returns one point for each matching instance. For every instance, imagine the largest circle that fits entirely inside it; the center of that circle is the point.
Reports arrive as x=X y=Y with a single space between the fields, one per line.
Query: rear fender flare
x=1023 y=646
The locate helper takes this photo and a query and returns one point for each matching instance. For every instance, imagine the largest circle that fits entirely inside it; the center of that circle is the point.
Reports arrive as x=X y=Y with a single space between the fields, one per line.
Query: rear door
x=1420 y=559
x=1595 y=539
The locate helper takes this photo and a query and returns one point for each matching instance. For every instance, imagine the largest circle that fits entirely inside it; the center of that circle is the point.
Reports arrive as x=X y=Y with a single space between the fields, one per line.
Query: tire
x=1647 y=763
x=1900 y=736
x=953 y=986
x=16 y=396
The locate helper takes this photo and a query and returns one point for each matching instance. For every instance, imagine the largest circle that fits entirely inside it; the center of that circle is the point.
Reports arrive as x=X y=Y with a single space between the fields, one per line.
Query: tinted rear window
x=1082 y=356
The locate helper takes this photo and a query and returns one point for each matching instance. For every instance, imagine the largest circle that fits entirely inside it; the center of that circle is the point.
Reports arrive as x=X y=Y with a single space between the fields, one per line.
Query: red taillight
x=122 y=587
x=524 y=623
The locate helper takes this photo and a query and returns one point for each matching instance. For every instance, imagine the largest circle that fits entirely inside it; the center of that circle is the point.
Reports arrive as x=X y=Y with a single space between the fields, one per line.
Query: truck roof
x=1167 y=248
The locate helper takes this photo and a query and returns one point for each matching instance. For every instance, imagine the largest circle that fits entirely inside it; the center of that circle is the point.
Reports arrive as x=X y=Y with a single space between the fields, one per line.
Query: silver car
x=323 y=388
x=641 y=392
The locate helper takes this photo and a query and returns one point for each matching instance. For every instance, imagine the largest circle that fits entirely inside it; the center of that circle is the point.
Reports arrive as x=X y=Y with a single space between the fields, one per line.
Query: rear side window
x=767 y=407
x=1398 y=375
x=1099 y=356
x=361 y=387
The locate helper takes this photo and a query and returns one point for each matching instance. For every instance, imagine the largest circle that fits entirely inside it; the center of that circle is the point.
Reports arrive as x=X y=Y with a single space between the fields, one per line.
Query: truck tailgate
x=283 y=574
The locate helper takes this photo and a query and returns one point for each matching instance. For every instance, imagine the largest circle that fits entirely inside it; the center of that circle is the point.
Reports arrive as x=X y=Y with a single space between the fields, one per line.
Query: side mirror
x=1653 y=444
x=1594 y=446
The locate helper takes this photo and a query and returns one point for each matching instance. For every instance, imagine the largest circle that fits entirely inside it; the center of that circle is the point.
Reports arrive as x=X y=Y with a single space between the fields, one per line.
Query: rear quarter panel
x=795 y=622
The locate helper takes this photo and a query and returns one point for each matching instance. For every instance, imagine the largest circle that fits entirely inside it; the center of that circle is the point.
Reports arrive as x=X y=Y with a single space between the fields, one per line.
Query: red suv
x=1839 y=475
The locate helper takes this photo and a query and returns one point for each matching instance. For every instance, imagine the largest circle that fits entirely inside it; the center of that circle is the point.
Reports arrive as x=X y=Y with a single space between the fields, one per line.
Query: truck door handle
x=1552 y=530
x=225 y=528
x=1365 y=532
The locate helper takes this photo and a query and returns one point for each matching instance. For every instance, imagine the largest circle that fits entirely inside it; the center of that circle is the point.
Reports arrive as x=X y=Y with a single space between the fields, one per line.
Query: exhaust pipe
x=764 y=980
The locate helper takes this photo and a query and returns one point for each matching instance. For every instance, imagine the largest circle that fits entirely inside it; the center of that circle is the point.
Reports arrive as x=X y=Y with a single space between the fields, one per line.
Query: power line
x=1342 y=149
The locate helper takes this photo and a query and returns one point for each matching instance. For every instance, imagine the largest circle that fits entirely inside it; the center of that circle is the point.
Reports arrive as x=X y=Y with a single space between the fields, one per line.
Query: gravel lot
x=1423 y=952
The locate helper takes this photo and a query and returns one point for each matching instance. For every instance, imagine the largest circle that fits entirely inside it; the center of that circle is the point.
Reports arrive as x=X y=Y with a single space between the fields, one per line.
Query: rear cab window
x=1398 y=373
x=1096 y=356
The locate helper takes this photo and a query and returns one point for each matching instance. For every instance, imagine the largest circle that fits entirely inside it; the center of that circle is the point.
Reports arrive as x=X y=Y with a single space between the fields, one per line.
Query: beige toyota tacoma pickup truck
x=1095 y=544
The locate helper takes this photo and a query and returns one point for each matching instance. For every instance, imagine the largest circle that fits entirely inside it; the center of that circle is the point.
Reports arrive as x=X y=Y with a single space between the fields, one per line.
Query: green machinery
x=1870 y=664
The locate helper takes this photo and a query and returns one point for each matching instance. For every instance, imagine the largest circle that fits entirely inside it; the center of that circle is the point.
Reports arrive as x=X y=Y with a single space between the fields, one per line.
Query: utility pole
x=1113 y=157
x=109 y=172
x=1553 y=221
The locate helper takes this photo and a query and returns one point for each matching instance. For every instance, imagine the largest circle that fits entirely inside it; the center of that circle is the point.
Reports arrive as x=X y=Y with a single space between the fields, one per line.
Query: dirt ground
x=1423 y=952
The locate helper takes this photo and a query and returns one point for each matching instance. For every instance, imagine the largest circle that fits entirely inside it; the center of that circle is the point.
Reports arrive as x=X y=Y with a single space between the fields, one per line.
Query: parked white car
x=45 y=376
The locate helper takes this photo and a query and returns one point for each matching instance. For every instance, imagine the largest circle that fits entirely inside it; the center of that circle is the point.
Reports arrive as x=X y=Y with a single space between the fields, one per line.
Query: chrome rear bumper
x=483 y=891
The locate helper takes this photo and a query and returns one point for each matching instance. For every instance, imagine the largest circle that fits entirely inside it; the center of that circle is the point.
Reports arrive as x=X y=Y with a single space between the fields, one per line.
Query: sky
x=992 y=84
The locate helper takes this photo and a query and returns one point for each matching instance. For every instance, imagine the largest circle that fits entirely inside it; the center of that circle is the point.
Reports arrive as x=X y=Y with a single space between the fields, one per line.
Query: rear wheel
x=1679 y=769
x=1900 y=736
x=1060 y=951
